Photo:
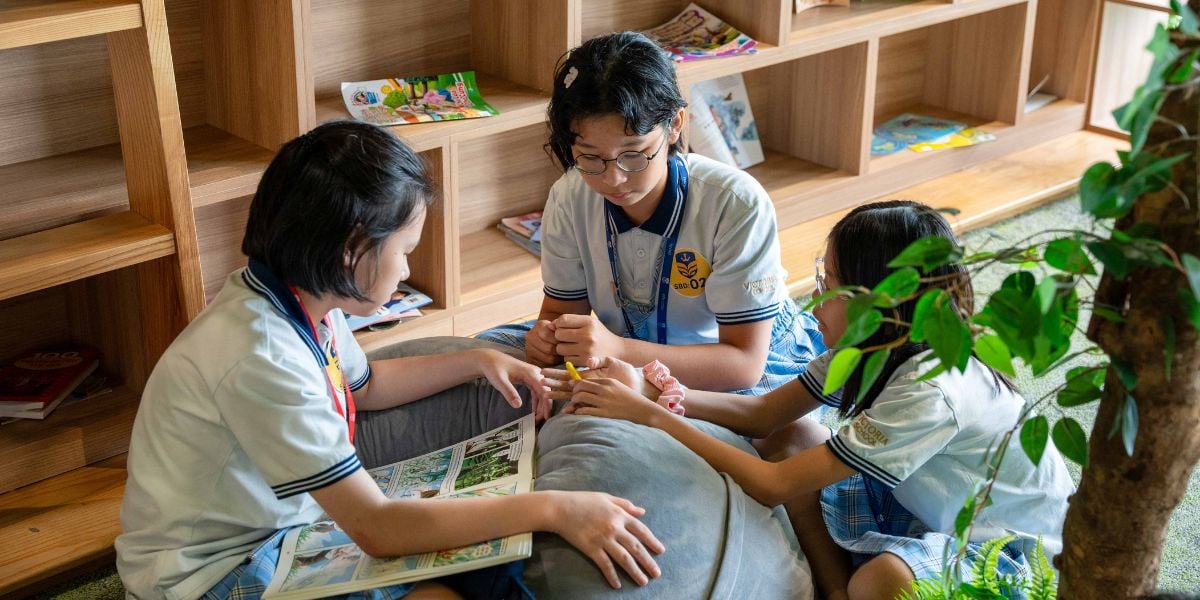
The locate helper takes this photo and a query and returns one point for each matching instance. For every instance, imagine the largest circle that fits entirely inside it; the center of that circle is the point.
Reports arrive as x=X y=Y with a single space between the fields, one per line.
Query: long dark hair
x=624 y=74
x=342 y=187
x=863 y=243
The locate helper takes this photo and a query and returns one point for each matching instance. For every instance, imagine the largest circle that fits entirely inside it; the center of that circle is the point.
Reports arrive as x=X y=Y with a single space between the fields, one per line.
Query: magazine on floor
x=319 y=560
x=416 y=99
x=696 y=34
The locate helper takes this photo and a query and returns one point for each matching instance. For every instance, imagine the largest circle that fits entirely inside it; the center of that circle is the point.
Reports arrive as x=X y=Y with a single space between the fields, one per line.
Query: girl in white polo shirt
x=874 y=505
x=250 y=421
x=676 y=253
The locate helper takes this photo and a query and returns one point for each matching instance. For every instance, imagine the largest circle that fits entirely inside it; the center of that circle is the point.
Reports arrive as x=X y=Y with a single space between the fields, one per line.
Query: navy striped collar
x=258 y=277
x=661 y=219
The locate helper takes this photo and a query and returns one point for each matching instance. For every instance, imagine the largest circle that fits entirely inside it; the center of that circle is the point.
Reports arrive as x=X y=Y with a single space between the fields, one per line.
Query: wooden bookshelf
x=31 y=22
x=125 y=214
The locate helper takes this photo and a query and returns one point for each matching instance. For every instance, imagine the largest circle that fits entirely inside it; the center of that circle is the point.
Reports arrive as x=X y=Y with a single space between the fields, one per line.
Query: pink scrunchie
x=671 y=396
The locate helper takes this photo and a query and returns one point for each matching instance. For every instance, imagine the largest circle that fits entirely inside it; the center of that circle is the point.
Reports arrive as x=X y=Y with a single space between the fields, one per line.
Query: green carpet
x=1181 y=554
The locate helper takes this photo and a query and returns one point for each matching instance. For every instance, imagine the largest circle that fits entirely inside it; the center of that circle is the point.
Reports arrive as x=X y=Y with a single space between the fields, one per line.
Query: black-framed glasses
x=630 y=161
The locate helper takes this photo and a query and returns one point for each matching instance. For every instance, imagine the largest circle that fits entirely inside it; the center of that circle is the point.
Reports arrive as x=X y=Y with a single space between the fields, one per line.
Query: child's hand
x=502 y=371
x=540 y=343
x=558 y=382
x=583 y=337
x=606 y=529
x=612 y=399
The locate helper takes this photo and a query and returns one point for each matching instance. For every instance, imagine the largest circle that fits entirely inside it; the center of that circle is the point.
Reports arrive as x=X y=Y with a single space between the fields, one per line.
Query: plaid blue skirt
x=250 y=579
x=795 y=340
x=864 y=518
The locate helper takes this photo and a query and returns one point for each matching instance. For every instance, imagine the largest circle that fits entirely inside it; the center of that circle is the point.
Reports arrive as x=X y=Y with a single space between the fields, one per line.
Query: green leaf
x=947 y=335
x=934 y=372
x=1067 y=255
x=1129 y=424
x=828 y=295
x=1107 y=313
x=1034 y=435
x=1111 y=256
x=1190 y=305
x=1125 y=373
x=993 y=352
x=871 y=370
x=962 y=521
x=1192 y=265
x=1083 y=386
x=1187 y=21
x=928 y=253
x=1098 y=189
x=897 y=287
x=840 y=368
x=861 y=328
x=924 y=313
x=1183 y=68
x=1047 y=290
x=1070 y=439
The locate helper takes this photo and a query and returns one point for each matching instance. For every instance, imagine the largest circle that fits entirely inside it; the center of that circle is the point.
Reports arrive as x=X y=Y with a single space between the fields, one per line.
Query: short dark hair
x=342 y=187
x=863 y=243
x=624 y=74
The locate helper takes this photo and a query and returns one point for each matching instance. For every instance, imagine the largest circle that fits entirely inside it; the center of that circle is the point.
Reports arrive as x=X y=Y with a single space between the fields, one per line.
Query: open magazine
x=319 y=560
x=696 y=33
x=416 y=99
x=404 y=304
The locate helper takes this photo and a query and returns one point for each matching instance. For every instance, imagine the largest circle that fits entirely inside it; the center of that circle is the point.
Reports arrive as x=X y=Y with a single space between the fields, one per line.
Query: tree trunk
x=1117 y=521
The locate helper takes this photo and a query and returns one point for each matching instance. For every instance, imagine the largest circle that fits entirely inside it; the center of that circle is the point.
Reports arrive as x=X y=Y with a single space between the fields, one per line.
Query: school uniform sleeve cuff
x=748 y=316
x=357 y=384
x=325 y=478
x=814 y=388
x=860 y=464
x=558 y=294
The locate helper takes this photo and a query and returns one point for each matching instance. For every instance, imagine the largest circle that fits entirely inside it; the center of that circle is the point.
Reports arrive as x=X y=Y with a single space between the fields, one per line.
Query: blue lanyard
x=670 y=237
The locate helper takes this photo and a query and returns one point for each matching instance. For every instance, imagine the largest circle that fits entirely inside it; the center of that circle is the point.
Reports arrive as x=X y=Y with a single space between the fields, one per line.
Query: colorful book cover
x=406 y=298
x=696 y=33
x=38 y=381
x=909 y=129
x=416 y=99
x=722 y=107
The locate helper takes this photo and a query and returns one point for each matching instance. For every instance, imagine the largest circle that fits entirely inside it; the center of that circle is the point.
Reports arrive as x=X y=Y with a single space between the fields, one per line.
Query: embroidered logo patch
x=689 y=272
x=868 y=433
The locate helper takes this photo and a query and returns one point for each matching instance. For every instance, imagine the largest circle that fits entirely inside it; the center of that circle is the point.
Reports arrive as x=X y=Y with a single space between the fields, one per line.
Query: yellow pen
x=572 y=371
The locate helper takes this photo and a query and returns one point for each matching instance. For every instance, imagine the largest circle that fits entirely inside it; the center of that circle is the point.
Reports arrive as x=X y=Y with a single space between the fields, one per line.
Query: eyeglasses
x=630 y=161
x=819 y=265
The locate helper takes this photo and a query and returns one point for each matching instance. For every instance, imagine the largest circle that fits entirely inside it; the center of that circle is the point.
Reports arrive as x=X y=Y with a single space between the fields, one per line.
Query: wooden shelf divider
x=55 y=256
x=30 y=22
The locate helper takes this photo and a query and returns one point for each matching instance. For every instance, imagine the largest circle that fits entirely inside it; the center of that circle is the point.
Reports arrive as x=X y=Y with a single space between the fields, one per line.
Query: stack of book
x=525 y=230
x=695 y=34
x=32 y=386
x=405 y=305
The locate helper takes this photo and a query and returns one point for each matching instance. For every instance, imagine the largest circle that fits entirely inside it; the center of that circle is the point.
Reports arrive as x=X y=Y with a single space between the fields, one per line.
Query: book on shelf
x=723 y=126
x=525 y=230
x=405 y=300
x=696 y=34
x=36 y=383
x=320 y=560
x=416 y=99
x=921 y=133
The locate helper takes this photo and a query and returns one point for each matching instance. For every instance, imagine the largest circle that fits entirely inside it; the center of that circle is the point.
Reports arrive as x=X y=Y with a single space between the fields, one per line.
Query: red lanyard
x=332 y=360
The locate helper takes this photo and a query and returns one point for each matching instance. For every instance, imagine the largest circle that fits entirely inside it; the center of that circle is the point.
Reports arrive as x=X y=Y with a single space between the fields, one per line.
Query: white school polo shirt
x=725 y=268
x=928 y=441
x=235 y=427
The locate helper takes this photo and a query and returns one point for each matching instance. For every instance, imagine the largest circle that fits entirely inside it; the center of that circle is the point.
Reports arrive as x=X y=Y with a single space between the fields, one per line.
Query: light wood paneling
x=222 y=166
x=489 y=312
x=606 y=16
x=768 y=21
x=187 y=52
x=32 y=321
x=59 y=190
x=221 y=228
x=502 y=175
x=29 y=22
x=521 y=41
x=1064 y=42
x=492 y=265
x=376 y=39
x=63 y=523
x=826 y=124
x=430 y=266
x=433 y=322
x=254 y=84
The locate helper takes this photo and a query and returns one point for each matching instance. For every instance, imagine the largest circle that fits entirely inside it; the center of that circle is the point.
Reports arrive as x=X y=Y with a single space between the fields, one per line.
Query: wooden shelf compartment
x=222 y=166
x=29 y=22
x=60 y=255
x=493 y=265
x=73 y=436
x=823 y=27
x=519 y=106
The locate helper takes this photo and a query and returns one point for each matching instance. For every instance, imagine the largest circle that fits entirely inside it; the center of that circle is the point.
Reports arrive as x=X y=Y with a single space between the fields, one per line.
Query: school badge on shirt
x=689 y=272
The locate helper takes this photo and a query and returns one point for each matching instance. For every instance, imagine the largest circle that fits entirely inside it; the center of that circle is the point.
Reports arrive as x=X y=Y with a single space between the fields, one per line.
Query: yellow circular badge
x=689 y=272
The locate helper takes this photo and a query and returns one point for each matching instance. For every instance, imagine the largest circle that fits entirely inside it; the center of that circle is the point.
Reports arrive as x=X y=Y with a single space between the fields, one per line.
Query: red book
x=39 y=380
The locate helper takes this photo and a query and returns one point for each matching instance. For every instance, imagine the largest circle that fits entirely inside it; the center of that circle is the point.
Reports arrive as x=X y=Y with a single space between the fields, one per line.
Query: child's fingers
x=571 y=322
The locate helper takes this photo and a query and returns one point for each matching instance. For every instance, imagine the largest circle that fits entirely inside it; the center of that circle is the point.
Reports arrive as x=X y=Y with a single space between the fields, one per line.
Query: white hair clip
x=569 y=78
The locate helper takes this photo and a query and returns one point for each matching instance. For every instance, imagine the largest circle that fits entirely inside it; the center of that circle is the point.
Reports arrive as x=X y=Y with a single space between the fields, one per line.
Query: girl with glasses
x=676 y=254
x=873 y=505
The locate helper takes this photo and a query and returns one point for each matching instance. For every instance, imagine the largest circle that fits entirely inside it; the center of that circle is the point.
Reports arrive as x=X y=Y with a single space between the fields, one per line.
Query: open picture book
x=319 y=560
